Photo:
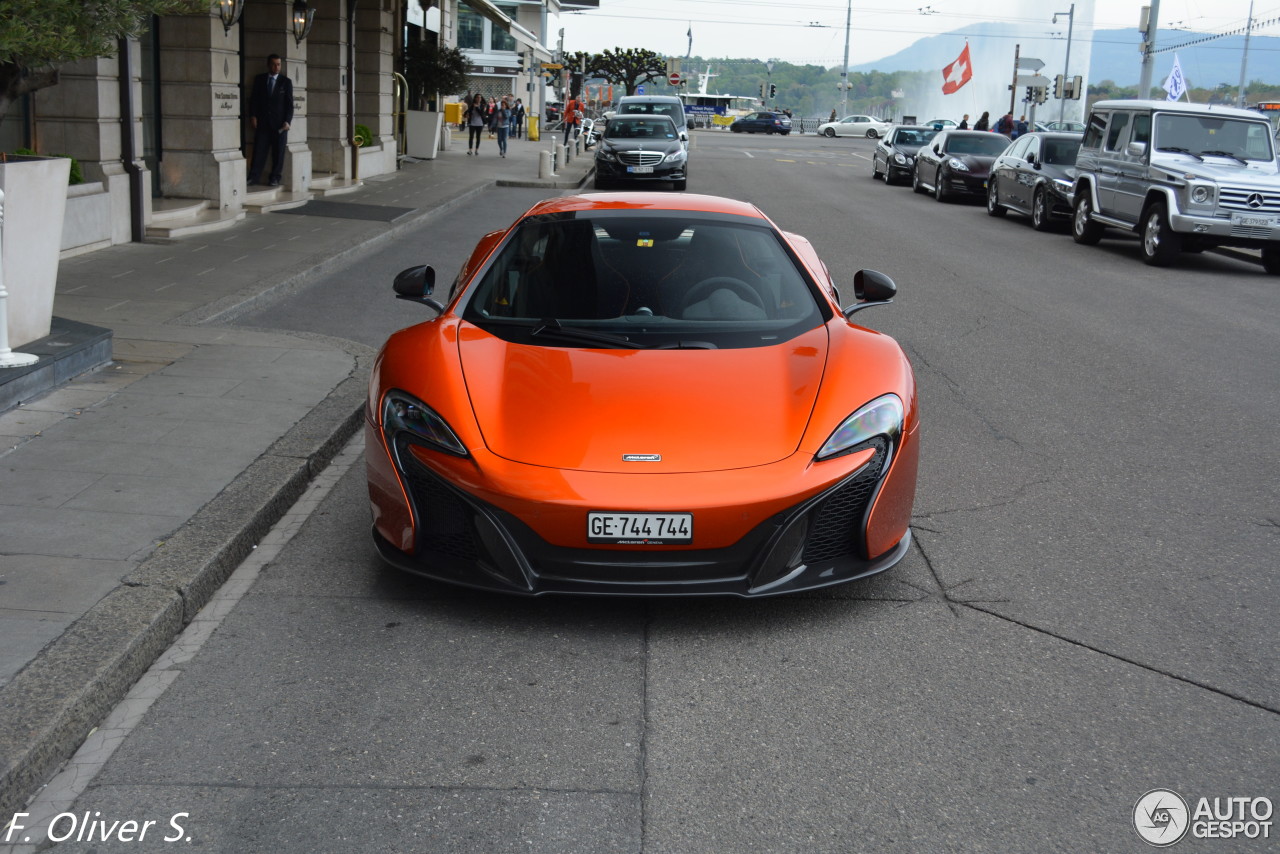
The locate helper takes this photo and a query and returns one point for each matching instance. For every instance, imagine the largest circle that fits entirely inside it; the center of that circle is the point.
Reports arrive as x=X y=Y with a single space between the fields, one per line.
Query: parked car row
x=1183 y=177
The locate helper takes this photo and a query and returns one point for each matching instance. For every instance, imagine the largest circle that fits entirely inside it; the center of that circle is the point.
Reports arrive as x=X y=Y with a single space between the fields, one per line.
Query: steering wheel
x=706 y=287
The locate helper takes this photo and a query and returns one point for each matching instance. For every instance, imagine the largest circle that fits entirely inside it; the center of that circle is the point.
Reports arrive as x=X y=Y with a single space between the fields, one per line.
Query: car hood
x=908 y=150
x=1262 y=173
x=662 y=146
x=975 y=162
x=697 y=410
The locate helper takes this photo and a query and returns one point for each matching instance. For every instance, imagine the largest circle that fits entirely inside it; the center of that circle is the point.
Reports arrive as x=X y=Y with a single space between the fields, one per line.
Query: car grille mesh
x=1237 y=199
x=837 y=520
x=444 y=520
x=640 y=158
x=1259 y=231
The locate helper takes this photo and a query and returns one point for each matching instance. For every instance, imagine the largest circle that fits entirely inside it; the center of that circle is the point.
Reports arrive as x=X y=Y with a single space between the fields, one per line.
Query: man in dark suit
x=270 y=112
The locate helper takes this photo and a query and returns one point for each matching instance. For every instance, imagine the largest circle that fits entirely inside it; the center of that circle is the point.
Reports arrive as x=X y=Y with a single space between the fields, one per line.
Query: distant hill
x=1114 y=54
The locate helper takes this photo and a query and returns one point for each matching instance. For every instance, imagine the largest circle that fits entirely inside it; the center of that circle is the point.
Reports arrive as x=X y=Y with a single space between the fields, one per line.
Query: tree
x=38 y=36
x=627 y=67
x=433 y=70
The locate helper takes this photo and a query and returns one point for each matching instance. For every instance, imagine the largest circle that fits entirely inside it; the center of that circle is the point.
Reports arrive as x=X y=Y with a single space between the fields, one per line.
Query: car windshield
x=640 y=127
x=1061 y=152
x=651 y=279
x=675 y=112
x=988 y=144
x=913 y=137
x=1220 y=136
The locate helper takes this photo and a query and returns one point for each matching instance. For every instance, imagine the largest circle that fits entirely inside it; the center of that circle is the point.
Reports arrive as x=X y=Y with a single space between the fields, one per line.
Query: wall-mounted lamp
x=303 y=18
x=229 y=11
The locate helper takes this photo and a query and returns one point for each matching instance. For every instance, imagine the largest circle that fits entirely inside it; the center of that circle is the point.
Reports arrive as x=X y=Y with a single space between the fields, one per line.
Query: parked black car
x=957 y=163
x=762 y=122
x=895 y=154
x=1034 y=177
x=641 y=148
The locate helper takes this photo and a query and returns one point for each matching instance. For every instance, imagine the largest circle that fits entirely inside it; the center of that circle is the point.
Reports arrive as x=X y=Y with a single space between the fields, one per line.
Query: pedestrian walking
x=964 y=123
x=1020 y=127
x=983 y=122
x=833 y=115
x=270 y=113
x=1005 y=125
x=572 y=118
x=476 y=117
x=500 y=121
x=517 y=119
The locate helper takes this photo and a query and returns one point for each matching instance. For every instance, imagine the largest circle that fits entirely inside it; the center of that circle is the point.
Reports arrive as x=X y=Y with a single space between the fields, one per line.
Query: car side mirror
x=416 y=284
x=871 y=287
x=1136 y=149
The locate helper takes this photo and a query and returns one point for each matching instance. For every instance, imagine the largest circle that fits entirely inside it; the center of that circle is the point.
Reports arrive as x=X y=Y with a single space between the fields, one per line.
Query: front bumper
x=825 y=539
x=1221 y=231
x=618 y=171
x=969 y=183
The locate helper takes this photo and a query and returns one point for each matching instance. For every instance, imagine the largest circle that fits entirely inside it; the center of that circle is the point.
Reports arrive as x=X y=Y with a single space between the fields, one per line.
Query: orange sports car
x=642 y=394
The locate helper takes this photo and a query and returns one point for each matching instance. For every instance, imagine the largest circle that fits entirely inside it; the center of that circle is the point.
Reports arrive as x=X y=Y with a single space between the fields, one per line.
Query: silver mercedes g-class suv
x=1183 y=176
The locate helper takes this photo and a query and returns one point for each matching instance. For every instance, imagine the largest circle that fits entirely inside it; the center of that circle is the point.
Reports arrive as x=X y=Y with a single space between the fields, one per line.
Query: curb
x=53 y=704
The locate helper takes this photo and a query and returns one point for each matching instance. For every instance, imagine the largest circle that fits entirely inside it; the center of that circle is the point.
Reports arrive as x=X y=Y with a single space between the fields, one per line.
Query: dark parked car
x=762 y=122
x=1034 y=177
x=641 y=148
x=957 y=163
x=895 y=154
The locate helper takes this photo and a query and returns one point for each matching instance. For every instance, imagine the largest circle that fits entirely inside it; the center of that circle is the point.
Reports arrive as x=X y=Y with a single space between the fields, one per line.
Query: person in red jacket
x=573 y=114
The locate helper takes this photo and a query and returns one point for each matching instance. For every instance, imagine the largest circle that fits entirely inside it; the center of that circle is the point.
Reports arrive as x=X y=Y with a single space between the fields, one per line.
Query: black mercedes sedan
x=895 y=154
x=641 y=148
x=957 y=163
x=1034 y=177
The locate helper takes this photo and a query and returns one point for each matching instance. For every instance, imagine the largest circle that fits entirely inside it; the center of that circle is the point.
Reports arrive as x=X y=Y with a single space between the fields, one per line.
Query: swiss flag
x=957 y=73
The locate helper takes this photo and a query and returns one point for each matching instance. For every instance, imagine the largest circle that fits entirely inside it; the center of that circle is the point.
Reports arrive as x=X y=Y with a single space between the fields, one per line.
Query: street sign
x=1033 y=80
x=639 y=90
x=552 y=66
x=674 y=78
x=1030 y=63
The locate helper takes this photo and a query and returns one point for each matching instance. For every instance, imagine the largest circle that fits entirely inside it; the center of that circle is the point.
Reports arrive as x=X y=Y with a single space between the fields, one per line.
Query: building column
x=268 y=29
x=81 y=117
x=327 y=112
x=374 y=86
x=201 y=121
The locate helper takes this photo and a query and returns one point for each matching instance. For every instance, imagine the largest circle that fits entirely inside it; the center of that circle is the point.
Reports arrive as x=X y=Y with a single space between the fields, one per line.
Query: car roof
x=649 y=99
x=648 y=202
x=1178 y=107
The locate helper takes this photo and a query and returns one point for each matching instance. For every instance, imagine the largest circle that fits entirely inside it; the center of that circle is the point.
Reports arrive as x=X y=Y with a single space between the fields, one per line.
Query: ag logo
x=1161 y=817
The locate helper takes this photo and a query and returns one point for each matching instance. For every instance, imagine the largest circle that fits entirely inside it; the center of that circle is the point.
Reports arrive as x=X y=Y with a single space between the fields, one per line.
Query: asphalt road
x=1088 y=612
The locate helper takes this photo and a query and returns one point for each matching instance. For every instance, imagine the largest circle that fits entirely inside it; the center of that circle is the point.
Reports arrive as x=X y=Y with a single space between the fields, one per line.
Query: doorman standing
x=270 y=112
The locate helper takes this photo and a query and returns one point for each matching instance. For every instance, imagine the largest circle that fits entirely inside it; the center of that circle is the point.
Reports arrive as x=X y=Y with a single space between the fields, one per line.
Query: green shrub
x=76 y=177
x=364 y=135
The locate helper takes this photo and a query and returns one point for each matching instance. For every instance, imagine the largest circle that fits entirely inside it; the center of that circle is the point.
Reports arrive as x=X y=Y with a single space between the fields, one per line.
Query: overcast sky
x=813 y=31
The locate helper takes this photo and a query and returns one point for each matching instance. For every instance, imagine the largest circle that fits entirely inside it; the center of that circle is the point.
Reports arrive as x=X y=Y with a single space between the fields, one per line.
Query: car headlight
x=957 y=165
x=1202 y=194
x=1063 y=185
x=881 y=417
x=899 y=157
x=675 y=156
x=606 y=154
x=402 y=412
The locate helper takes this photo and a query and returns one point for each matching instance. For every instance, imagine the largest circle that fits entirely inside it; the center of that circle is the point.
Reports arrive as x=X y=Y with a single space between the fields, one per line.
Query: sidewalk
x=128 y=495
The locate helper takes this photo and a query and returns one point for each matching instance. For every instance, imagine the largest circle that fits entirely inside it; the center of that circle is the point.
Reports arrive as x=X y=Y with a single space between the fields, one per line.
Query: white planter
x=35 y=200
x=422 y=133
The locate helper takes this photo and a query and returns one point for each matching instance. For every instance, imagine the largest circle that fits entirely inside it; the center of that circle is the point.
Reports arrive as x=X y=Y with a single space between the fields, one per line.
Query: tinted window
x=1093 y=136
x=1223 y=136
x=655 y=279
x=640 y=127
x=1061 y=152
x=1019 y=148
x=1119 y=121
x=991 y=145
x=1141 y=128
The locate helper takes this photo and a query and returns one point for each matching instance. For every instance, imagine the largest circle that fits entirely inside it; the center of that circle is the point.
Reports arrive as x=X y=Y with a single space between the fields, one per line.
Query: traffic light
x=1031 y=95
x=773 y=90
x=1042 y=94
x=1059 y=83
x=764 y=91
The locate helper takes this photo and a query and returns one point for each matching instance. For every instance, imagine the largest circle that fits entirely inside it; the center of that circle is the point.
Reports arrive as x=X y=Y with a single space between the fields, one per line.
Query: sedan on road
x=957 y=163
x=1034 y=177
x=641 y=149
x=868 y=126
x=762 y=122
x=642 y=394
x=895 y=154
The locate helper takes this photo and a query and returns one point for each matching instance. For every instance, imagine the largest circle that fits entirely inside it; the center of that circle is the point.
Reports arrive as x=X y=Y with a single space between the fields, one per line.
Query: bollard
x=545 y=168
x=8 y=358
x=564 y=154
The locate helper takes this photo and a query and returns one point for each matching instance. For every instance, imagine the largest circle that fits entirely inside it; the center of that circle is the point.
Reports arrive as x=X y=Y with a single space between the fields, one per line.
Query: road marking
x=856 y=154
x=749 y=154
x=783 y=160
x=67 y=785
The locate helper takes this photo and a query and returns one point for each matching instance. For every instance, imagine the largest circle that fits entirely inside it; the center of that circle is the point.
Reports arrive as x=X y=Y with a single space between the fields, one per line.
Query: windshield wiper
x=551 y=326
x=1180 y=151
x=1227 y=154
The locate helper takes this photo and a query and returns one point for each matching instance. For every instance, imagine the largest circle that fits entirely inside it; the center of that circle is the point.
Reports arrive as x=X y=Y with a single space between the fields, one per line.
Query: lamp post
x=303 y=18
x=1066 y=65
x=769 y=80
x=1149 y=49
x=844 y=69
x=1244 y=59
